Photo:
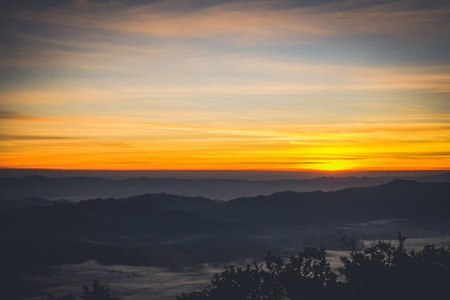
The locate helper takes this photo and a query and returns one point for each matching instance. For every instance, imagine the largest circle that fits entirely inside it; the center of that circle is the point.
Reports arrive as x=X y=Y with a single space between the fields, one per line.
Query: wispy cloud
x=5 y=137
x=284 y=79
x=230 y=84
x=114 y=143
x=14 y=116
x=248 y=22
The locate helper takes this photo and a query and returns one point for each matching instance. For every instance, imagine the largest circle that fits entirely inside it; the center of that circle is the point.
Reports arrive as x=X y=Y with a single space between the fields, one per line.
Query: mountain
x=31 y=201
x=397 y=199
x=107 y=230
x=166 y=213
x=176 y=231
x=76 y=188
x=433 y=178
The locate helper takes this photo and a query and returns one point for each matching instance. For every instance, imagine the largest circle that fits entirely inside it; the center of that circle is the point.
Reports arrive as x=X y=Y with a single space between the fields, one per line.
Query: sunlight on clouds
x=110 y=144
x=258 y=21
x=298 y=79
x=231 y=85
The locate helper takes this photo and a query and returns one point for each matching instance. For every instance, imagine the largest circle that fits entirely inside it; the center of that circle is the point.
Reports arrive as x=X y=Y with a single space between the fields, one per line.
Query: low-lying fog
x=152 y=283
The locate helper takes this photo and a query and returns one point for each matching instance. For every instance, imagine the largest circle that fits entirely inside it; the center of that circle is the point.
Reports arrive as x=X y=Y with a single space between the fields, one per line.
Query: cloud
x=14 y=116
x=75 y=53
x=251 y=22
x=5 y=137
x=112 y=142
x=275 y=79
x=172 y=83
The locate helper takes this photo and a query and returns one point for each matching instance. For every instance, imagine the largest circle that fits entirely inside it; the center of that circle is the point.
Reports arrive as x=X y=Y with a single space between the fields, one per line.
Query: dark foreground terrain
x=381 y=271
x=37 y=189
x=176 y=234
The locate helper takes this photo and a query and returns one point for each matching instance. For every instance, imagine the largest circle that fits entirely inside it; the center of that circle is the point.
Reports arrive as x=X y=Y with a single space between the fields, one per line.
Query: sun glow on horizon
x=225 y=85
x=107 y=144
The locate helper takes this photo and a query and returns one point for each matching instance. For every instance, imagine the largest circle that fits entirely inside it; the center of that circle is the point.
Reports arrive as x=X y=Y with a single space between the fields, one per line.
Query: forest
x=382 y=271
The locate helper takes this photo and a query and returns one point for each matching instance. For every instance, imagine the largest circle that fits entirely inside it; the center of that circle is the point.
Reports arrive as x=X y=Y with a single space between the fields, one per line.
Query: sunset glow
x=187 y=85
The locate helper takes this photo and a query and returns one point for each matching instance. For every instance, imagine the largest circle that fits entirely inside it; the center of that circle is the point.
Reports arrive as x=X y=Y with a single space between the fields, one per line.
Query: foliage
x=382 y=271
x=305 y=276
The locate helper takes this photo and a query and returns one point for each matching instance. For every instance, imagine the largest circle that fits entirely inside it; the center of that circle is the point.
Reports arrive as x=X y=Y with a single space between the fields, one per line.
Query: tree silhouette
x=305 y=276
x=382 y=271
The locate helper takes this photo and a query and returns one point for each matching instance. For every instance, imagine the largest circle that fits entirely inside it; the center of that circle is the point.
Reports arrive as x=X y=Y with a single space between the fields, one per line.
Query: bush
x=381 y=271
x=384 y=271
x=305 y=276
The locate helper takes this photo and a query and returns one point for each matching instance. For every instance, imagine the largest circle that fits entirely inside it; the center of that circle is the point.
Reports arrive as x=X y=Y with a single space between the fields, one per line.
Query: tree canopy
x=381 y=271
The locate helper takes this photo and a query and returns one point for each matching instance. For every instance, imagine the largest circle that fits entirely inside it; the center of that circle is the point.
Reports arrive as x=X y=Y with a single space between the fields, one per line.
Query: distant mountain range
x=31 y=201
x=157 y=220
x=396 y=199
x=178 y=231
x=77 y=188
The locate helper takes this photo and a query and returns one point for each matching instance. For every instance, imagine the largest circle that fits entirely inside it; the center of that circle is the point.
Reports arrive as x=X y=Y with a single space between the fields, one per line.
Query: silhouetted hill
x=397 y=199
x=174 y=202
x=93 y=218
x=109 y=230
x=31 y=201
x=433 y=178
x=165 y=213
x=75 y=188
x=176 y=231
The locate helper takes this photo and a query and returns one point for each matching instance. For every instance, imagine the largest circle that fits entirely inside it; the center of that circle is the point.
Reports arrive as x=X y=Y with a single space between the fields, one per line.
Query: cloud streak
x=252 y=85
x=8 y=115
x=112 y=143
x=258 y=21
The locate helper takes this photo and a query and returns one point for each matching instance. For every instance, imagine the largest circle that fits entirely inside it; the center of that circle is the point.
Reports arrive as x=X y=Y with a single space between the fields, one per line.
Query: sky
x=322 y=85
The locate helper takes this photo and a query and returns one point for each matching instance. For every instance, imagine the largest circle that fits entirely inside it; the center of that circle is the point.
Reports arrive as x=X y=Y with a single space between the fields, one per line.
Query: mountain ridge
x=82 y=187
x=178 y=231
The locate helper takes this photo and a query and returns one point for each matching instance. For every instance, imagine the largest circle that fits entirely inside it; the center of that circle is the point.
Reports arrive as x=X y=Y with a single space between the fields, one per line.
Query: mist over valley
x=181 y=237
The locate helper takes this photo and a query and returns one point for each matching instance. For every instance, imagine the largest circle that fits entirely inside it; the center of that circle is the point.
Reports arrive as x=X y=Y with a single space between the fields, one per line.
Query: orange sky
x=230 y=85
